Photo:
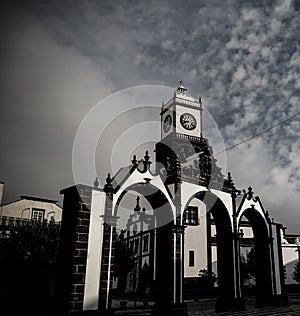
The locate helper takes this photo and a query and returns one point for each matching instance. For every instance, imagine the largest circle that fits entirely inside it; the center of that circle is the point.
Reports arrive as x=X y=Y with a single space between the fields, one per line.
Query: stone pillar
x=180 y=308
x=108 y=249
x=170 y=265
x=238 y=302
x=279 y=293
x=72 y=257
x=169 y=299
x=164 y=267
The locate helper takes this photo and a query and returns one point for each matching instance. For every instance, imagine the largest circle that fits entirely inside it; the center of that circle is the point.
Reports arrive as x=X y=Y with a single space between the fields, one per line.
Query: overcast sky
x=60 y=58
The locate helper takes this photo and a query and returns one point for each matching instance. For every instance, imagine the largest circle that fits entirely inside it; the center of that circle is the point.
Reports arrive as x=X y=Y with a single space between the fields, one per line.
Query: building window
x=190 y=216
x=146 y=243
x=191 y=258
x=38 y=214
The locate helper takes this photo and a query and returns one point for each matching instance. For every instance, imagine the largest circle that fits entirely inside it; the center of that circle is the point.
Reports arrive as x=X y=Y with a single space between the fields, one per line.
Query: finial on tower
x=181 y=89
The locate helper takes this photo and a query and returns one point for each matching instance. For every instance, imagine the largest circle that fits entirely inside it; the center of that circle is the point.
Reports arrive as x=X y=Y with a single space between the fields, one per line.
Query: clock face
x=167 y=123
x=188 y=121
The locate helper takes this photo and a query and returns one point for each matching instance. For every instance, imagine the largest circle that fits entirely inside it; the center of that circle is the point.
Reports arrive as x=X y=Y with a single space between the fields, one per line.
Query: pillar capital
x=110 y=220
x=237 y=235
x=178 y=229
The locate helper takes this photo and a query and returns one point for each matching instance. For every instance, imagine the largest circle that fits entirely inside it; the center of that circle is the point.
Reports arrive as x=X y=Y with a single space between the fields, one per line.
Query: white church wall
x=247 y=231
x=195 y=240
x=188 y=190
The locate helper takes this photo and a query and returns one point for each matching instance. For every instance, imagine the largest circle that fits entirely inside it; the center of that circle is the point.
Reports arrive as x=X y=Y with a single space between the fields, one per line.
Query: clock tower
x=183 y=151
x=182 y=115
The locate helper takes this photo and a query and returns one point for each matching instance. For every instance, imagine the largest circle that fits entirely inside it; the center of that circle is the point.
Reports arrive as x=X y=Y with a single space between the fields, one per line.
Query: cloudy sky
x=60 y=58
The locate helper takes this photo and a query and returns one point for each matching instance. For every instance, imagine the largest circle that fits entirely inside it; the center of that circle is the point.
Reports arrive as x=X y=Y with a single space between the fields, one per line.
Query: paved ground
x=206 y=308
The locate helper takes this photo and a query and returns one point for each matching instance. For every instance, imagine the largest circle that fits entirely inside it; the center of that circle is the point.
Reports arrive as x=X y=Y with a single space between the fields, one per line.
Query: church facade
x=196 y=217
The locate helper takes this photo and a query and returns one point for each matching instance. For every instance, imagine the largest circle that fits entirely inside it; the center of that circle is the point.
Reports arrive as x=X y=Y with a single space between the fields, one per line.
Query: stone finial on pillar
x=108 y=188
x=146 y=157
x=134 y=161
x=146 y=161
x=96 y=183
x=137 y=207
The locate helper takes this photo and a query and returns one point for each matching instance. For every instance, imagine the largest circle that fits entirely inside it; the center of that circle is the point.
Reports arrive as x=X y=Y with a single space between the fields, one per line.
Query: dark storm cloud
x=46 y=89
x=243 y=57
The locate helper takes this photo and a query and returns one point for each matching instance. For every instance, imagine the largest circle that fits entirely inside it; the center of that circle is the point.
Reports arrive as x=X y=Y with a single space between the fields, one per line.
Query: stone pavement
x=206 y=308
x=291 y=310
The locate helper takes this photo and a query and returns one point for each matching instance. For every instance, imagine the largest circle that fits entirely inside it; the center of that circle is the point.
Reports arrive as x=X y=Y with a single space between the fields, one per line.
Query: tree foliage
x=251 y=262
x=123 y=261
x=296 y=273
x=206 y=279
x=27 y=262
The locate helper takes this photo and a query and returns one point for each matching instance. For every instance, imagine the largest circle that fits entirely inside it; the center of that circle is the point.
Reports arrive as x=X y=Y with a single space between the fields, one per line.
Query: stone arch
x=263 y=269
x=225 y=254
x=161 y=204
x=163 y=211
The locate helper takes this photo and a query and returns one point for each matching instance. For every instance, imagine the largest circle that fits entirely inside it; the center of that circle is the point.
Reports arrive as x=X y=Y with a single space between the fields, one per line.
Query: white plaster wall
x=195 y=239
x=94 y=252
x=247 y=231
x=214 y=259
x=23 y=209
x=227 y=201
x=290 y=258
x=188 y=190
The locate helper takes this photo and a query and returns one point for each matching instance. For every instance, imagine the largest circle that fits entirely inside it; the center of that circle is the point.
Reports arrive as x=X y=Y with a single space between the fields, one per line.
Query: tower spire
x=181 y=89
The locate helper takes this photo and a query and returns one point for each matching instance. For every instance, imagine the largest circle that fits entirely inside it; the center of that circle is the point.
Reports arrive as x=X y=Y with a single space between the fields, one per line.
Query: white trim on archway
x=138 y=177
x=250 y=204
x=189 y=190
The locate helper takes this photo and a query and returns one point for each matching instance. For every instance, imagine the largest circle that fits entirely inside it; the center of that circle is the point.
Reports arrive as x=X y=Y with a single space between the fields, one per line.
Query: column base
x=176 y=309
x=228 y=305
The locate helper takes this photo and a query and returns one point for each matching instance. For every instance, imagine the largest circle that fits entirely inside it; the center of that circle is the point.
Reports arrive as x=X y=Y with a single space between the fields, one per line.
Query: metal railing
x=10 y=221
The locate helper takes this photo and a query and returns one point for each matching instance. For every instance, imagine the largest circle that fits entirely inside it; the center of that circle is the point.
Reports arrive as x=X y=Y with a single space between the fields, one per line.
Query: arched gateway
x=90 y=215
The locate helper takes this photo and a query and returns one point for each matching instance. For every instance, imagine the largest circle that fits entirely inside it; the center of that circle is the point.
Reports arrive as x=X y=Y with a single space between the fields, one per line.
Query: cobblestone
x=206 y=308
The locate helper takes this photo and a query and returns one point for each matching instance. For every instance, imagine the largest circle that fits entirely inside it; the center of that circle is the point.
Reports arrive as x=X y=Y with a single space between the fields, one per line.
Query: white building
x=291 y=255
x=28 y=208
